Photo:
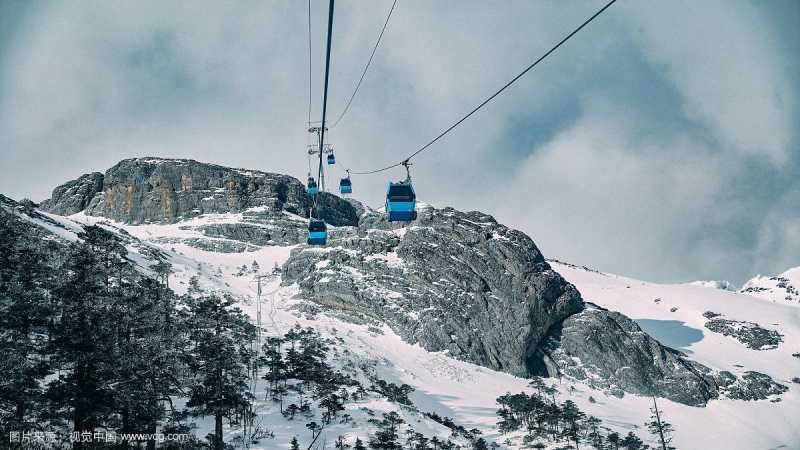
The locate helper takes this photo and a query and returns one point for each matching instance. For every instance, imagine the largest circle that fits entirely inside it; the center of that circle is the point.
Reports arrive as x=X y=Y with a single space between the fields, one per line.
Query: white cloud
x=225 y=82
x=596 y=194
x=723 y=59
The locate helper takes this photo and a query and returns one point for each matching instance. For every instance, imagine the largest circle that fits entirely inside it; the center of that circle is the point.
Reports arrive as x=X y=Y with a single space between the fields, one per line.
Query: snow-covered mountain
x=715 y=284
x=455 y=305
x=783 y=288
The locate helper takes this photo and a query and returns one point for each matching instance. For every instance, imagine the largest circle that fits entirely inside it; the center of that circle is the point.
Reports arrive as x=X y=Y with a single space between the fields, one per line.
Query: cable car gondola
x=401 y=201
x=331 y=159
x=312 y=186
x=346 y=186
x=317 y=232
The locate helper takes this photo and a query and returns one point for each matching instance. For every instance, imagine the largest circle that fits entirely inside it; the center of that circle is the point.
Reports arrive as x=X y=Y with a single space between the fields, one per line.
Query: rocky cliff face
x=610 y=351
x=167 y=190
x=451 y=281
x=74 y=196
x=465 y=284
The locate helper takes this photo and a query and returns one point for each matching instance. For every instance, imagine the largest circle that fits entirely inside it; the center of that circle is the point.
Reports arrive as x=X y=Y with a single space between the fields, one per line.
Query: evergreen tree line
x=90 y=344
x=546 y=421
x=297 y=371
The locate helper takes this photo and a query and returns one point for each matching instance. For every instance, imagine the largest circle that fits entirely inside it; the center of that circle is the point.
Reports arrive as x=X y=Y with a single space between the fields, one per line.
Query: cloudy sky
x=661 y=142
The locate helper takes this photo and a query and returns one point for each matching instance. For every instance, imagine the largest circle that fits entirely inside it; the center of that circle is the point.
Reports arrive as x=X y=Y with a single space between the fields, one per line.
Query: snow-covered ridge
x=674 y=314
x=783 y=288
x=715 y=284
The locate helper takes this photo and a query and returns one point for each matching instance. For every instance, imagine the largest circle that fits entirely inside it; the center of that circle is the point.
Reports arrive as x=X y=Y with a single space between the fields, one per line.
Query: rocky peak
x=461 y=283
x=777 y=288
x=141 y=190
x=451 y=281
x=74 y=196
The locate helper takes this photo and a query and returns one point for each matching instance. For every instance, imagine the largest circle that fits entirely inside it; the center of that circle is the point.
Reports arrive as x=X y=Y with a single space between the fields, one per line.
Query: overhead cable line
x=482 y=104
x=366 y=67
x=325 y=91
x=309 y=62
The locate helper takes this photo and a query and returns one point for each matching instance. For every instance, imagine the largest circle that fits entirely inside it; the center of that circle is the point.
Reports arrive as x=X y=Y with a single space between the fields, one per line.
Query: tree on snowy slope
x=660 y=428
x=632 y=442
x=148 y=354
x=359 y=445
x=25 y=311
x=573 y=421
x=219 y=355
x=96 y=340
x=386 y=436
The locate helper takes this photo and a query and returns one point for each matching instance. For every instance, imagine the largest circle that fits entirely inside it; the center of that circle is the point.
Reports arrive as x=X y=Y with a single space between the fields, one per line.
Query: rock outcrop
x=464 y=284
x=74 y=196
x=780 y=288
x=143 y=190
x=748 y=333
x=610 y=351
x=450 y=281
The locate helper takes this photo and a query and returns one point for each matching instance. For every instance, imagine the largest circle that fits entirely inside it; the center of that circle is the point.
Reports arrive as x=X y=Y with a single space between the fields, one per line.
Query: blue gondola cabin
x=317 y=232
x=401 y=202
x=345 y=186
x=331 y=159
x=312 y=187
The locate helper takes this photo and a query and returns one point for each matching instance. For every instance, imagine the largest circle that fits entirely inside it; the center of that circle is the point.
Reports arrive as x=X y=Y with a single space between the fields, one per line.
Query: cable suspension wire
x=309 y=63
x=325 y=91
x=366 y=67
x=491 y=97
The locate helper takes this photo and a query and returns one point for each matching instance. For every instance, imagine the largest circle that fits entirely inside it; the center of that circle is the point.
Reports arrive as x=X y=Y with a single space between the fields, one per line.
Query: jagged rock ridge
x=610 y=351
x=455 y=282
x=144 y=190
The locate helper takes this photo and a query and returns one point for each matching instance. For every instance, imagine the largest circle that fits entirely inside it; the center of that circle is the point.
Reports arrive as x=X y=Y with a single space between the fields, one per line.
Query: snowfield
x=677 y=319
x=784 y=288
x=466 y=392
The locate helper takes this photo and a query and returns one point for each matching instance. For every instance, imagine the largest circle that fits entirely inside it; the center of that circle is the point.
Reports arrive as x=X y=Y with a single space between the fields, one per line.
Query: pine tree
x=386 y=436
x=614 y=440
x=273 y=360
x=332 y=404
x=147 y=352
x=219 y=354
x=480 y=444
x=659 y=428
x=84 y=338
x=25 y=312
x=632 y=442
x=593 y=435
x=572 y=417
x=359 y=445
x=294 y=445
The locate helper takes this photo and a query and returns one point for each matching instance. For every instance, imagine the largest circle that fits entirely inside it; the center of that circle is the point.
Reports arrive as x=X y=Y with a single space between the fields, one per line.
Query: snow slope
x=784 y=288
x=673 y=314
x=467 y=393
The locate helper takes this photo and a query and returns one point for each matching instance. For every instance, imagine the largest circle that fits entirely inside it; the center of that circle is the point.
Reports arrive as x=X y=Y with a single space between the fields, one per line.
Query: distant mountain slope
x=689 y=318
x=783 y=288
